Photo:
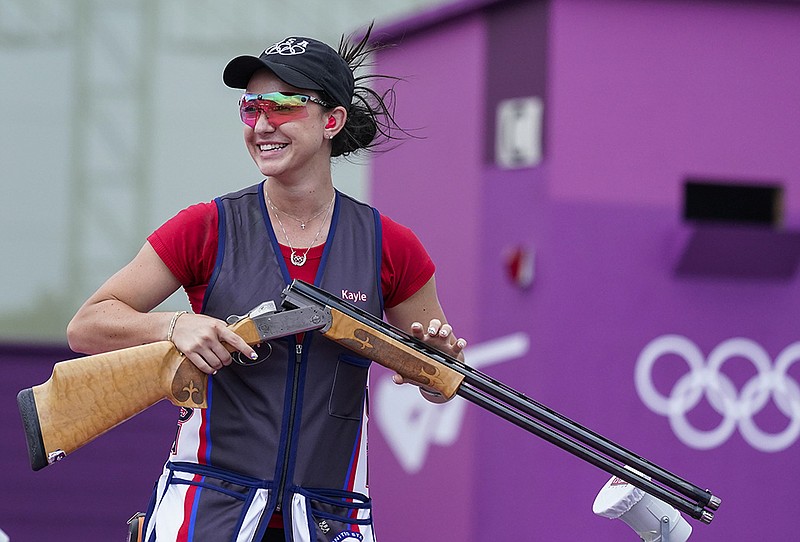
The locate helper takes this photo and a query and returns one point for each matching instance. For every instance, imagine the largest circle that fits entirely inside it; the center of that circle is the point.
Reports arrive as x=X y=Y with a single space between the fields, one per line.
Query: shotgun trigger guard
x=265 y=308
x=264 y=351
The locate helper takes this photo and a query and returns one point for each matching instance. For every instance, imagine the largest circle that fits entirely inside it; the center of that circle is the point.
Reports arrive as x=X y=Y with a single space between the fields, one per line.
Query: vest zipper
x=298 y=358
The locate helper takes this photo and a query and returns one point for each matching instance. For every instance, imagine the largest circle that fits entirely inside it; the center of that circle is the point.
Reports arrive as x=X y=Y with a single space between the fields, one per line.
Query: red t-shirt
x=187 y=243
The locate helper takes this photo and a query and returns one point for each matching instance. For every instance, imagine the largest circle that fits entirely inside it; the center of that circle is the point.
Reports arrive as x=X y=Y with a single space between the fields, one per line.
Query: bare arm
x=424 y=306
x=118 y=316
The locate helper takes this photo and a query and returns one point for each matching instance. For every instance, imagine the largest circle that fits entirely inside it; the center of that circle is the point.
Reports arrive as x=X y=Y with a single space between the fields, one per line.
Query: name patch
x=354 y=297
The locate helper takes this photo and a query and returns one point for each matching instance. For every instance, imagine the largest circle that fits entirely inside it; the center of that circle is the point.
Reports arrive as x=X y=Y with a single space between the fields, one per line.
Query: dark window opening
x=714 y=201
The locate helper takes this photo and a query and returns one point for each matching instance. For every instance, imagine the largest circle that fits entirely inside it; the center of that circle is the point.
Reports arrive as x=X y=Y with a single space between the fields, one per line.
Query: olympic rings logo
x=287 y=47
x=706 y=379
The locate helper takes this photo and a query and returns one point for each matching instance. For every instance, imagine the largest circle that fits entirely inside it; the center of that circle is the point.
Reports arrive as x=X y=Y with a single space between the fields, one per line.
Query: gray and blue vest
x=295 y=418
x=287 y=433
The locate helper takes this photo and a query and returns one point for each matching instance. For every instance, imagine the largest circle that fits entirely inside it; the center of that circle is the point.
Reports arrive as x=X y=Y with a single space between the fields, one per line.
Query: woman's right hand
x=207 y=342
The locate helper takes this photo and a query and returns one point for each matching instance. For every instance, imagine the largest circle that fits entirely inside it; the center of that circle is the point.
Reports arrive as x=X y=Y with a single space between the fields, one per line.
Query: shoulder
x=199 y=212
x=188 y=221
x=398 y=233
x=188 y=242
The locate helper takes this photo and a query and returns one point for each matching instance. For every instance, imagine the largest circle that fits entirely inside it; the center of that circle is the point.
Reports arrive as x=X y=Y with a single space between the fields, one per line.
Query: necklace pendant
x=302 y=225
x=298 y=259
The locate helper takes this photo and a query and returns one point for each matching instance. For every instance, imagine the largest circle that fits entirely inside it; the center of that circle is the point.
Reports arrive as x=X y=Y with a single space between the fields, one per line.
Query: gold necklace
x=300 y=259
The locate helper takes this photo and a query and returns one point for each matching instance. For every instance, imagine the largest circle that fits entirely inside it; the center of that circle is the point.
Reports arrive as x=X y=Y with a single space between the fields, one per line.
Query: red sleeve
x=406 y=265
x=187 y=243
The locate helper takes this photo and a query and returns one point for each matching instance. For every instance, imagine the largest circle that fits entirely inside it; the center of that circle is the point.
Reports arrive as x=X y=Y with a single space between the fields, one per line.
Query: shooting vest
x=290 y=432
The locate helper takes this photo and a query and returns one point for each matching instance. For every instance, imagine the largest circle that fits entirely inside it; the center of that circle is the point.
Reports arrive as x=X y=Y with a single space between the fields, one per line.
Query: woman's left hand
x=440 y=336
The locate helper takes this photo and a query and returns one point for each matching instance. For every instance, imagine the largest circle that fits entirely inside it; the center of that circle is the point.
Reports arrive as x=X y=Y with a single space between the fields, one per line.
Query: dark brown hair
x=370 y=118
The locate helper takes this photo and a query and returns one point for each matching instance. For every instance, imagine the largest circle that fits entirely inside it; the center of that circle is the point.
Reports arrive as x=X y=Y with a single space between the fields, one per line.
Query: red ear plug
x=331 y=122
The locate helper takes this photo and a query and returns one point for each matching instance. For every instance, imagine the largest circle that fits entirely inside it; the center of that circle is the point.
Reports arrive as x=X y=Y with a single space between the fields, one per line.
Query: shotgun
x=371 y=337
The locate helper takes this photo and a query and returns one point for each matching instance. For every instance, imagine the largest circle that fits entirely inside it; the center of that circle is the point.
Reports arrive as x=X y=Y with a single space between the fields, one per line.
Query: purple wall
x=646 y=93
x=640 y=95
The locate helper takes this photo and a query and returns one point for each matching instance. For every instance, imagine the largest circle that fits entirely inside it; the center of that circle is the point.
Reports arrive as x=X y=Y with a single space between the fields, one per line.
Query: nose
x=263 y=123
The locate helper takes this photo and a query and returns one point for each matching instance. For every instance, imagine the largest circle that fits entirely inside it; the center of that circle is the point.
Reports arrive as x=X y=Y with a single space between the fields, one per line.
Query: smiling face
x=295 y=148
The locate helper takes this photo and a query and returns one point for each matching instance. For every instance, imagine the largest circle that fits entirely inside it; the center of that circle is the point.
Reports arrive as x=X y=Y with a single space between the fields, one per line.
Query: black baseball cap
x=303 y=63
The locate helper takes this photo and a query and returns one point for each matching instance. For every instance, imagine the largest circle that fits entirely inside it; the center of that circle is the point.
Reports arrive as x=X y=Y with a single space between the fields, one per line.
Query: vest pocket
x=349 y=385
x=331 y=516
x=206 y=503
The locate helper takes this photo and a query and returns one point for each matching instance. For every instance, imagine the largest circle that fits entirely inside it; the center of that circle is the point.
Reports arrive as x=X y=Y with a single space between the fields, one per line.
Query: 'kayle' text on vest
x=347 y=295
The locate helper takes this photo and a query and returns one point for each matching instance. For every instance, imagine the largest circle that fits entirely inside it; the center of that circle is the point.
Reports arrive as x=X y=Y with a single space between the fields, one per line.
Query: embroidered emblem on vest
x=185 y=414
x=346 y=536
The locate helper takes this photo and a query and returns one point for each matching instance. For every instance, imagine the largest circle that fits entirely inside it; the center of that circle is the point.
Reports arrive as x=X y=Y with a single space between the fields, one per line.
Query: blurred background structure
x=610 y=190
x=115 y=117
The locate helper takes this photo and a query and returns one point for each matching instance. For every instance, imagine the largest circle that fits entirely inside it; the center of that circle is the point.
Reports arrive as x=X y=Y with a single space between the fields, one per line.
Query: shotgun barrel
x=504 y=401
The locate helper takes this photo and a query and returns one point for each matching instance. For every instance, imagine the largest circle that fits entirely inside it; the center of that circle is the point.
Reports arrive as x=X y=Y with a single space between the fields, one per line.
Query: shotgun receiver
x=87 y=396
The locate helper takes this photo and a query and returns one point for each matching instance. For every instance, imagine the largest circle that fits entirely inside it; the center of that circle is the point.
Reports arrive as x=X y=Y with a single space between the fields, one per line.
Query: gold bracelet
x=172 y=323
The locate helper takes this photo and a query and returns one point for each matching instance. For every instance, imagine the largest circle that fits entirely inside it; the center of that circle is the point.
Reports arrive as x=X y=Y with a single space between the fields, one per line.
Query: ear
x=336 y=119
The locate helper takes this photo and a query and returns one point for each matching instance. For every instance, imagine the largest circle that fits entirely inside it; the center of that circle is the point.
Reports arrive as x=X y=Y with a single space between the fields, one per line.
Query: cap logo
x=288 y=47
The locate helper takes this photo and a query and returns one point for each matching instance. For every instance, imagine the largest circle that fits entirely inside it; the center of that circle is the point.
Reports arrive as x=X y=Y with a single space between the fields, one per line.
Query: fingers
x=203 y=341
x=229 y=337
x=207 y=353
x=433 y=327
x=439 y=333
x=206 y=360
x=429 y=395
x=433 y=396
x=417 y=330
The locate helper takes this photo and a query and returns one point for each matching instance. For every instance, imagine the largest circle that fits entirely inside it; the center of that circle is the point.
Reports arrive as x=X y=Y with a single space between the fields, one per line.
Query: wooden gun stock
x=409 y=363
x=86 y=397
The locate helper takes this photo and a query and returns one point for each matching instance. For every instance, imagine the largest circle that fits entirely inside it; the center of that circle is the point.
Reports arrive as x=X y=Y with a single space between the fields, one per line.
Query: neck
x=295 y=232
x=301 y=200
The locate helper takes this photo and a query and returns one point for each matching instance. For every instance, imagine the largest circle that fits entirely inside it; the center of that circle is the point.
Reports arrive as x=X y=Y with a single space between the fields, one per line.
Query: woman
x=280 y=453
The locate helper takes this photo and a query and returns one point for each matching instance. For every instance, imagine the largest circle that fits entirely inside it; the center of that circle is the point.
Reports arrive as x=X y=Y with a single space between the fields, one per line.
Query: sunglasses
x=277 y=106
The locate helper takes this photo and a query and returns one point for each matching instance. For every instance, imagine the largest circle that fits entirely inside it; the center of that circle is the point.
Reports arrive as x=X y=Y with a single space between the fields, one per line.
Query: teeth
x=272 y=147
